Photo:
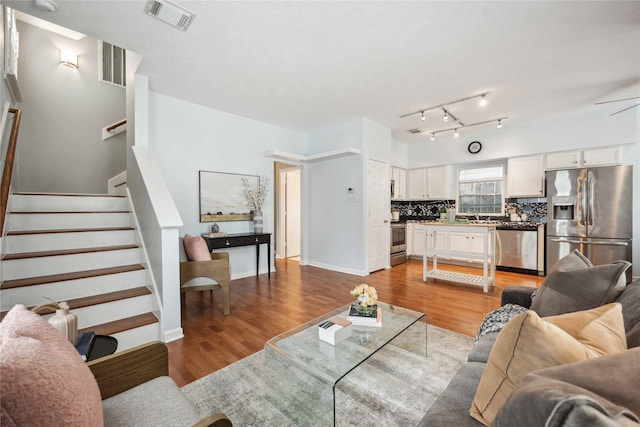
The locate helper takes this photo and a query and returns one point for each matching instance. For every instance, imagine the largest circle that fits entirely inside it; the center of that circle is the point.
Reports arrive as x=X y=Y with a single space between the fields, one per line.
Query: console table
x=243 y=239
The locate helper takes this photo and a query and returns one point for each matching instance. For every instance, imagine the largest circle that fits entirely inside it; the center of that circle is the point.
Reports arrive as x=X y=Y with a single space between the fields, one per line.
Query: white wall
x=60 y=147
x=335 y=231
x=186 y=138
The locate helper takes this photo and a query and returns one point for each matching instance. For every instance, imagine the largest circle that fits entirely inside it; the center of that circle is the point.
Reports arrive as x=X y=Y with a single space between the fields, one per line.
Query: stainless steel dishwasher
x=520 y=248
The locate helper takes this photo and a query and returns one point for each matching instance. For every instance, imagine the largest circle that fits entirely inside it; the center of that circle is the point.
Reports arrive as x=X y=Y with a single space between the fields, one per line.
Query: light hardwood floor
x=262 y=308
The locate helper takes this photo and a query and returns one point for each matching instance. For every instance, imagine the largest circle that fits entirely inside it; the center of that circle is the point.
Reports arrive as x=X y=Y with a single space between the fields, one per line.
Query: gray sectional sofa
x=452 y=406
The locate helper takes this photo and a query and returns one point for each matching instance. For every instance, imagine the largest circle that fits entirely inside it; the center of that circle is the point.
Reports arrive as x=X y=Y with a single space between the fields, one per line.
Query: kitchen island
x=472 y=242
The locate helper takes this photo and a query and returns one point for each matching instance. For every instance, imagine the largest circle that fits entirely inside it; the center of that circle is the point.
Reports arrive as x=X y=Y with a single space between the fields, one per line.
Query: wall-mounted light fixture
x=68 y=58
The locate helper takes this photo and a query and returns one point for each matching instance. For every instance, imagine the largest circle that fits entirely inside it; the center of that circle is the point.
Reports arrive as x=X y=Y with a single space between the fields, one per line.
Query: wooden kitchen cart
x=473 y=251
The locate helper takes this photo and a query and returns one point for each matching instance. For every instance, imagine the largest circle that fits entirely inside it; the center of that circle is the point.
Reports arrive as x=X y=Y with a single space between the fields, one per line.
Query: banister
x=116 y=125
x=8 y=165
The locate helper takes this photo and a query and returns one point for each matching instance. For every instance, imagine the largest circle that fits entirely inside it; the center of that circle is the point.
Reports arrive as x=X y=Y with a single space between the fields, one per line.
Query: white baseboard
x=173 y=334
x=338 y=269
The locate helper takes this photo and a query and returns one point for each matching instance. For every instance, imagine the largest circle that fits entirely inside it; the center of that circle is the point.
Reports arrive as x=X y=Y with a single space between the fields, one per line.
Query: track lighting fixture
x=458 y=124
x=456 y=129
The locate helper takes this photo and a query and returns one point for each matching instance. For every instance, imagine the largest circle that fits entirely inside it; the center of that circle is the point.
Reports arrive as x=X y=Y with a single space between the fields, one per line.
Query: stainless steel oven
x=398 y=243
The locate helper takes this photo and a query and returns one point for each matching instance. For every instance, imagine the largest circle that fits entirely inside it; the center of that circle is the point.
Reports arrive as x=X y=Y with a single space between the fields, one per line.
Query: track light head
x=483 y=100
x=423 y=117
x=445 y=117
x=499 y=126
x=455 y=133
x=433 y=136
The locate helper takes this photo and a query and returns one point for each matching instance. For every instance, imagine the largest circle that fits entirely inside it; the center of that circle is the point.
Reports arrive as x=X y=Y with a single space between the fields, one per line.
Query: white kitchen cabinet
x=410 y=239
x=564 y=160
x=430 y=183
x=438 y=183
x=399 y=177
x=584 y=158
x=417 y=184
x=525 y=176
x=418 y=240
x=465 y=242
x=602 y=157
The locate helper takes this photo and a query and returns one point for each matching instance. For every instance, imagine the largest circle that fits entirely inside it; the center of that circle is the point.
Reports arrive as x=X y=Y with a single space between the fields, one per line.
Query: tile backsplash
x=535 y=207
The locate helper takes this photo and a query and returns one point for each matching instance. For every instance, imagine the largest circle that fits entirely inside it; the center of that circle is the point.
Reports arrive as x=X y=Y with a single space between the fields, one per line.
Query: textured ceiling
x=306 y=65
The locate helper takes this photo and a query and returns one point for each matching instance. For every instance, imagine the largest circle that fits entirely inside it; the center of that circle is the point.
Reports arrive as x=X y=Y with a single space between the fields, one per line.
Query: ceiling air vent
x=170 y=13
x=112 y=64
x=414 y=130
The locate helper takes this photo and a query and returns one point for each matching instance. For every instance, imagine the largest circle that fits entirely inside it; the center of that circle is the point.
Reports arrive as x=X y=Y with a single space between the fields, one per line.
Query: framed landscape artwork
x=222 y=197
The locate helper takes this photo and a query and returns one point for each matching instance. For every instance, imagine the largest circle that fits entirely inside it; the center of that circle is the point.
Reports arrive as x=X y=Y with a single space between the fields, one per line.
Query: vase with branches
x=256 y=196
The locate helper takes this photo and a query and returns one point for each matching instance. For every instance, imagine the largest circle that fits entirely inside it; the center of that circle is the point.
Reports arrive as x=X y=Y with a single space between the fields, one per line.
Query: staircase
x=81 y=249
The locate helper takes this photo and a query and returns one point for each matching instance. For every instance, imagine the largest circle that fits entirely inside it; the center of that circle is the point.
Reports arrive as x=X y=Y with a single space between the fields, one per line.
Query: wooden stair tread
x=96 y=299
x=69 y=194
x=67 y=230
x=38 y=280
x=121 y=325
x=25 y=255
x=63 y=212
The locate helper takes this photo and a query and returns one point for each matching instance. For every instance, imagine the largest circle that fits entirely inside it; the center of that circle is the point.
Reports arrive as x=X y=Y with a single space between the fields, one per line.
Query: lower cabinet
x=464 y=242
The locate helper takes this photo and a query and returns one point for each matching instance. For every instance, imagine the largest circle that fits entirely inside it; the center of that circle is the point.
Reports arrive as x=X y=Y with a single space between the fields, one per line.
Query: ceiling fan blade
x=628 y=108
x=617 y=100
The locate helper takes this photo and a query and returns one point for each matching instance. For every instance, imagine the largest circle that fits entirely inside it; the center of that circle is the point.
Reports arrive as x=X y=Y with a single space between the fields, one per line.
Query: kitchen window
x=480 y=190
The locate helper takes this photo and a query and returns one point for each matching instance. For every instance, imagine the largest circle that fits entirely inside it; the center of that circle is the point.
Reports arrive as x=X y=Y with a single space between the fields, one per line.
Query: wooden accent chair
x=136 y=390
x=202 y=276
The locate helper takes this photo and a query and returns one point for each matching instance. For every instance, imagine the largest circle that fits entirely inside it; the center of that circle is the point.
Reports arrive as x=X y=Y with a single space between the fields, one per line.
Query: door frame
x=281 y=252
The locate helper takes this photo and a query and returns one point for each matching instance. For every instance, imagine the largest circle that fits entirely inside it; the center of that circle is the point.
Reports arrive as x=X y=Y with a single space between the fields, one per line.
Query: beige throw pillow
x=528 y=343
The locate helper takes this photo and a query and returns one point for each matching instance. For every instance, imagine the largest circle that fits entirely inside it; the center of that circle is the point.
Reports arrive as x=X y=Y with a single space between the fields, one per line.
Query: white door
x=292 y=212
x=378 y=212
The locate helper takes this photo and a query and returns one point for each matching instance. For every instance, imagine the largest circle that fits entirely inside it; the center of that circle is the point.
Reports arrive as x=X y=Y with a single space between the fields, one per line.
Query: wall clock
x=474 y=147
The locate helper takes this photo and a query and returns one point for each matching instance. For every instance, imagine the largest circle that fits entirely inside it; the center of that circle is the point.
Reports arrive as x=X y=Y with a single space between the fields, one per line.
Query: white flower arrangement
x=365 y=295
x=256 y=196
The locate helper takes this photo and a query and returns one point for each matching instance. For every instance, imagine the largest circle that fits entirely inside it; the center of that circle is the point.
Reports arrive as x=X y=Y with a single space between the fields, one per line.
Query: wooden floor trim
x=42 y=254
x=53 y=278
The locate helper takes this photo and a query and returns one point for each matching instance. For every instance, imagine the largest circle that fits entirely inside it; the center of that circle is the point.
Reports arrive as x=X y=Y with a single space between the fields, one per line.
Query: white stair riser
x=111 y=311
x=44 y=266
x=24 y=222
x=138 y=336
x=58 y=241
x=44 y=203
x=71 y=289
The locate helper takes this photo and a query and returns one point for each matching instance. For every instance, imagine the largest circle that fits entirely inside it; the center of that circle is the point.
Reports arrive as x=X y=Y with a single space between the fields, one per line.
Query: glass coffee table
x=301 y=371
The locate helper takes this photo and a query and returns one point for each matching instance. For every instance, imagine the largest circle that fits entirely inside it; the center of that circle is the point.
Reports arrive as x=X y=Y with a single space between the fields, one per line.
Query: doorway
x=288 y=227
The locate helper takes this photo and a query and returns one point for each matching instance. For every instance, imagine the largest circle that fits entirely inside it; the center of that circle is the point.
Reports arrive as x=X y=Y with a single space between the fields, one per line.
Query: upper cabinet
x=584 y=158
x=399 y=178
x=602 y=157
x=430 y=183
x=525 y=177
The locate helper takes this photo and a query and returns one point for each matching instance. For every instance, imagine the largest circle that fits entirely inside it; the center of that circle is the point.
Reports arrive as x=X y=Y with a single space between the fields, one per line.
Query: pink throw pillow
x=44 y=380
x=196 y=248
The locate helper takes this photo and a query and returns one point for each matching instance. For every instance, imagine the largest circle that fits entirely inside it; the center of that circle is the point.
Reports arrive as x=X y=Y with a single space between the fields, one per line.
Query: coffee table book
x=374 y=319
x=334 y=330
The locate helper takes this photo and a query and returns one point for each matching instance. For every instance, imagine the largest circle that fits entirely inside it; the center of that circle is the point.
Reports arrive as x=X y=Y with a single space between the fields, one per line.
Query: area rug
x=394 y=387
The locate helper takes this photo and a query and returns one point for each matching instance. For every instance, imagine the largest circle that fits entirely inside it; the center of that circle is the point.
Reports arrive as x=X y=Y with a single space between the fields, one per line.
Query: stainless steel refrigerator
x=590 y=210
